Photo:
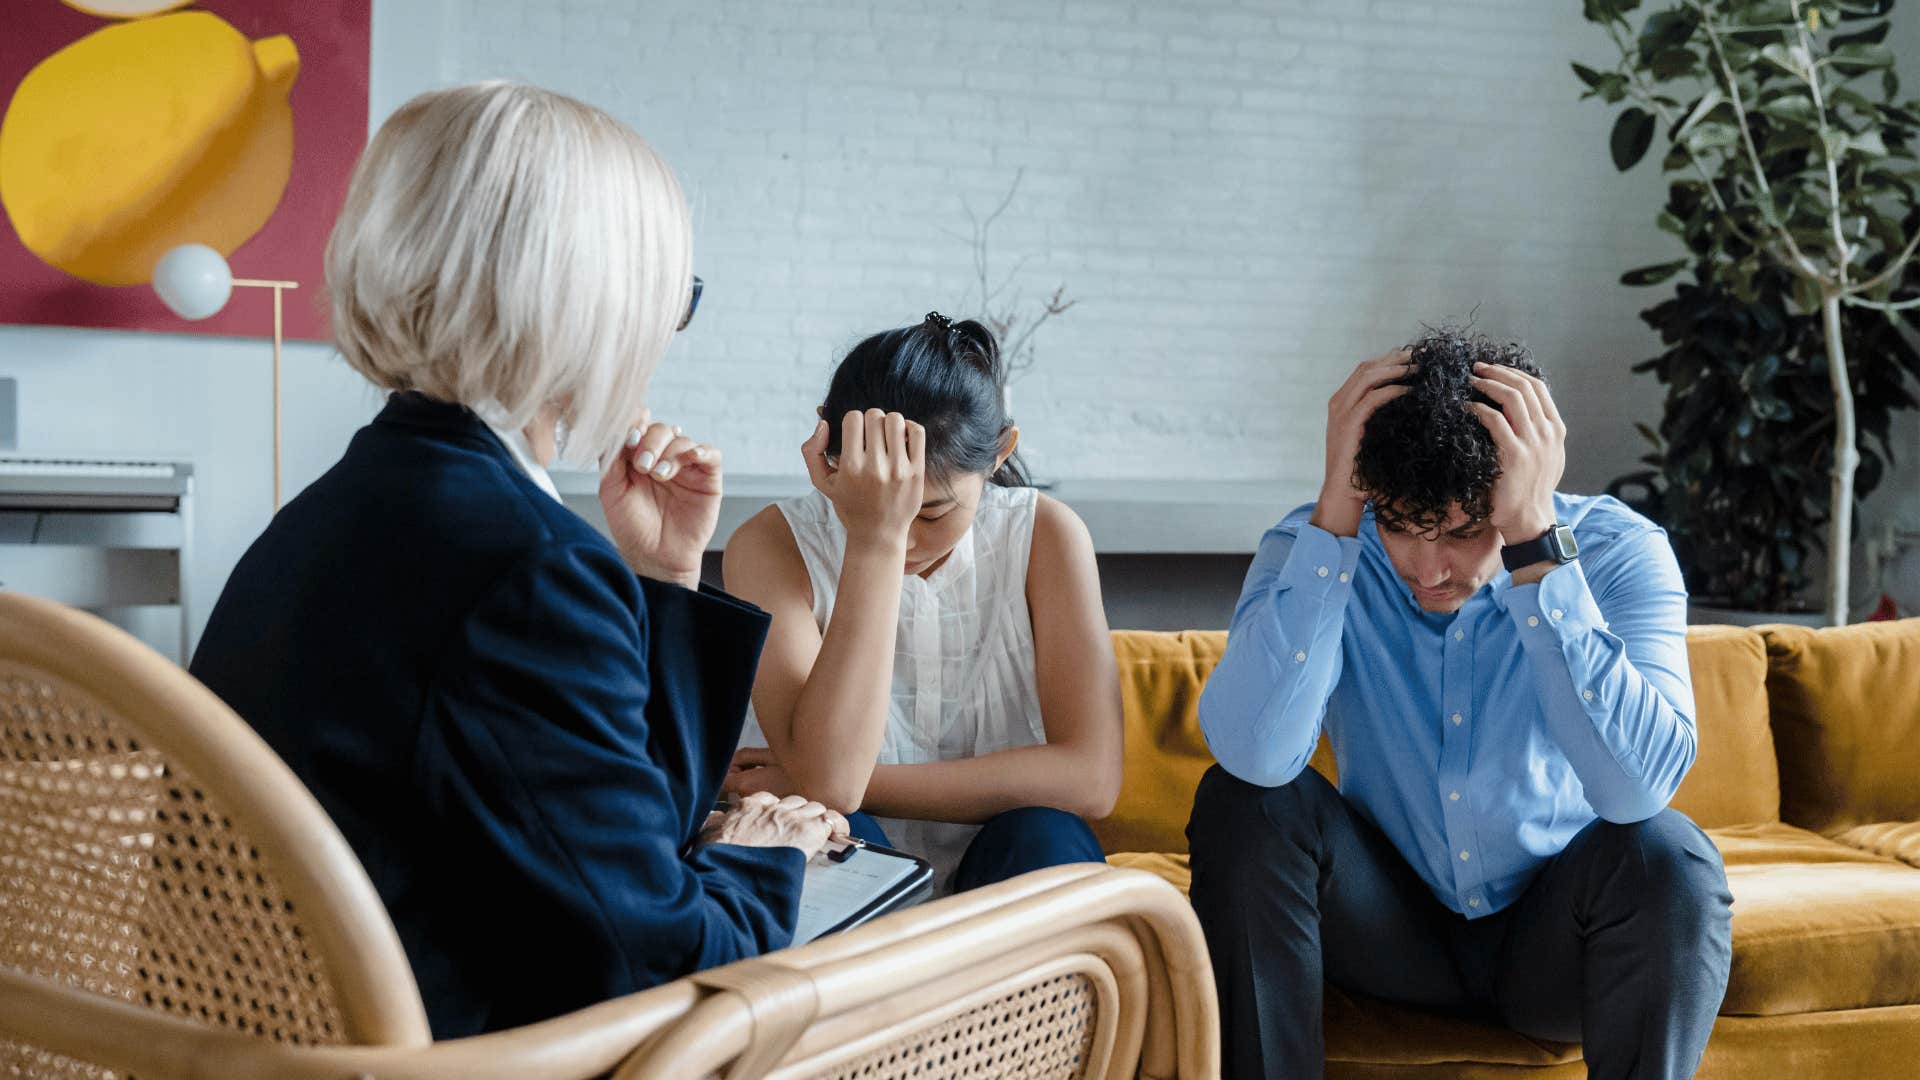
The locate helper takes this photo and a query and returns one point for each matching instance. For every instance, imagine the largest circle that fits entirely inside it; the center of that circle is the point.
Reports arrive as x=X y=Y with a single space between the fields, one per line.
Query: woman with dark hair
x=939 y=657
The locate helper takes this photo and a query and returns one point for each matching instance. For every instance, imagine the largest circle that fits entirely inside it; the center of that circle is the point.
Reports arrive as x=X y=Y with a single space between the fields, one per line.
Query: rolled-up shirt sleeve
x=1263 y=706
x=1609 y=658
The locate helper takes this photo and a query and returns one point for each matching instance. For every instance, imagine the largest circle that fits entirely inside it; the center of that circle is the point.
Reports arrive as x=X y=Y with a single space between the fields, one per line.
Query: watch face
x=1567 y=548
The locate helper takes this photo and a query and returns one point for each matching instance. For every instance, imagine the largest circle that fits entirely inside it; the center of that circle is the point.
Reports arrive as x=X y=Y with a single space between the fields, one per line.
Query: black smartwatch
x=1556 y=545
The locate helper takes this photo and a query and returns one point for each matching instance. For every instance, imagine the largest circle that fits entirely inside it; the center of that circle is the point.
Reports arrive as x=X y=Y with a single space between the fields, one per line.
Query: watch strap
x=1542 y=548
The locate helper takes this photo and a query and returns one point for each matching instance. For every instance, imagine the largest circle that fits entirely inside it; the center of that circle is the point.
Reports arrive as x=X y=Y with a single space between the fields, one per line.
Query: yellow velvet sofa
x=1808 y=779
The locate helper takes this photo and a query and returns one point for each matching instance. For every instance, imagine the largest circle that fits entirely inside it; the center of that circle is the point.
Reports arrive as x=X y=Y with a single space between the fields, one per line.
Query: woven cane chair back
x=153 y=850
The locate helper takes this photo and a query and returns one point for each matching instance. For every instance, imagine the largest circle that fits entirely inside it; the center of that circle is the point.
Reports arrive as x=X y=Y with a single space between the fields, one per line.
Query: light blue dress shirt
x=1479 y=742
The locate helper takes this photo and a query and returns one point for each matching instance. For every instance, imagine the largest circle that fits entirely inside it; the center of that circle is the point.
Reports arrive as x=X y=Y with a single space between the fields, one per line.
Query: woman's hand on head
x=879 y=480
x=764 y=820
x=661 y=494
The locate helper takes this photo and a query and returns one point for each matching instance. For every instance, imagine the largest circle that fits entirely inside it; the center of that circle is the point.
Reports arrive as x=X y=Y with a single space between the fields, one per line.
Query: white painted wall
x=1247 y=198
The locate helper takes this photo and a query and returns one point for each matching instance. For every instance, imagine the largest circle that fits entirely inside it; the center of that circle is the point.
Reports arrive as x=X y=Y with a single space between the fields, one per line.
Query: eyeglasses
x=693 y=304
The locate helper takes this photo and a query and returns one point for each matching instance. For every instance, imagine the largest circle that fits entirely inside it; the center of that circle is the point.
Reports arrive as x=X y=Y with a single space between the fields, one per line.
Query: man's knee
x=1230 y=810
x=1668 y=860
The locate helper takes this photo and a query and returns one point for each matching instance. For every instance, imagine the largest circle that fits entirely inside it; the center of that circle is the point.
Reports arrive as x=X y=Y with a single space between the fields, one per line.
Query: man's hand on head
x=1532 y=441
x=1374 y=383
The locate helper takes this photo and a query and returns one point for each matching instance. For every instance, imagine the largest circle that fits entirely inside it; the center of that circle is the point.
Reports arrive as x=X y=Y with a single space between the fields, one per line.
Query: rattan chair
x=174 y=904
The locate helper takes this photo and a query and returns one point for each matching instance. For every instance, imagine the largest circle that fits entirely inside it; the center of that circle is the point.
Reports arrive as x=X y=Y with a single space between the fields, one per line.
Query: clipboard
x=857 y=884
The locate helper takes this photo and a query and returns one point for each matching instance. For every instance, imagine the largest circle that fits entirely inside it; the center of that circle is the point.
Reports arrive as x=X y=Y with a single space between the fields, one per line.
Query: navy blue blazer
x=517 y=735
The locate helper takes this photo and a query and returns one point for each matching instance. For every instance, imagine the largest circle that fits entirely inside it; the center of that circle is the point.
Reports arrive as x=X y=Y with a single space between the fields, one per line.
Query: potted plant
x=1797 y=195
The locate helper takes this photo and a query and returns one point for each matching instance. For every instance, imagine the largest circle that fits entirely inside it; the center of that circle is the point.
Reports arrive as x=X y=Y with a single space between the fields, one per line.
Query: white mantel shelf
x=1126 y=517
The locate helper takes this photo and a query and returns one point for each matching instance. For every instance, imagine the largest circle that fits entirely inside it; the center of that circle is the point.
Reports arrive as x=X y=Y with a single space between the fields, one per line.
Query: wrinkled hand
x=1532 y=440
x=756 y=769
x=877 y=483
x=1371 y=385
x=762 y=820
x=661 y=495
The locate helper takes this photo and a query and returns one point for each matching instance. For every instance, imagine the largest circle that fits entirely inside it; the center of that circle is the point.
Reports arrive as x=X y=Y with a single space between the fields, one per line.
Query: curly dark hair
x=1425 y=450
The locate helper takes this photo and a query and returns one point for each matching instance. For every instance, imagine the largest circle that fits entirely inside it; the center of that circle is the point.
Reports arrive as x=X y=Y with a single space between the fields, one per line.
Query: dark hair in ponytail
x=943 y=375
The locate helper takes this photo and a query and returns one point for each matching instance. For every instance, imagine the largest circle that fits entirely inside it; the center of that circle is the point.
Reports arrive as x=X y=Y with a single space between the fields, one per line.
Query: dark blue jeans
x=1010 y=844
x=1621 y=942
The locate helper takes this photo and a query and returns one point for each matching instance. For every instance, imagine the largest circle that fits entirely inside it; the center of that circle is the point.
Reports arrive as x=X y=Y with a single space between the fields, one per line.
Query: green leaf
x=1867 y=142
x=1791 y=109
x=1806 y=294
x=1632 y=135
x=1864 y=9
x=1764 y=13
x=1708 y=102
x=1654 y=275
x=1587 y=75
x=1777 y=55
x=1612 y=89
x=1872 y=35
x=1673 y=63
x=1899 y=115
x=1599 y=11
x=1713 y=135
x=1665 y=30
x=1739 y=54
x=1862 y=57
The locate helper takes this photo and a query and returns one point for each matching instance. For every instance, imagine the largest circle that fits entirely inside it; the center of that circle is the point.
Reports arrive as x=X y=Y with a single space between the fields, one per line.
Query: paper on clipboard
x=836 y=895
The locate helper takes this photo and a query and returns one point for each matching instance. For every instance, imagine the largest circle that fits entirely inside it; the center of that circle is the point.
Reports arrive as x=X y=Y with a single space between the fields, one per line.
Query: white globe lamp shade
x=193 y=280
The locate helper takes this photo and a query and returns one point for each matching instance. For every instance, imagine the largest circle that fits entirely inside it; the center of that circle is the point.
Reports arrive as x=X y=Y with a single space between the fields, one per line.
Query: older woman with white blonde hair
x=519 y=725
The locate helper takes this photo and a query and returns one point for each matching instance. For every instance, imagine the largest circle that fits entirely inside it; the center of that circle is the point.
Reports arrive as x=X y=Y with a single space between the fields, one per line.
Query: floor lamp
x=195 y=282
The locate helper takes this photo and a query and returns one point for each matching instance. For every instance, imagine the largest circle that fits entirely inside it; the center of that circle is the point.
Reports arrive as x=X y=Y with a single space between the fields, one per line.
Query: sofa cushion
x=1735 y=779
x=1894 y=839
x=1817 y=925
x=1846 y=724
x=1161 y=676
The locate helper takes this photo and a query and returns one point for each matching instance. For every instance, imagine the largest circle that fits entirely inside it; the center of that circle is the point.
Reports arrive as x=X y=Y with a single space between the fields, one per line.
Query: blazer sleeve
x=543 y=753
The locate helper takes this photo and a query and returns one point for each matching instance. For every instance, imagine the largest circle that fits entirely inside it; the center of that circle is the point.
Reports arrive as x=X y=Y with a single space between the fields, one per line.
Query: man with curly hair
x=1502 y=672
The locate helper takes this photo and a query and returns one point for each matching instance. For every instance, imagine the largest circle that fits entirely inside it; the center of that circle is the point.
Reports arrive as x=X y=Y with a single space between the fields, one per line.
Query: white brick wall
x=1247 y=198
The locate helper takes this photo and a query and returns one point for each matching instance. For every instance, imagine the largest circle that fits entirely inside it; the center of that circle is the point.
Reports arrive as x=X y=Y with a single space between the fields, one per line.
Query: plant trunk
x=1846 y=458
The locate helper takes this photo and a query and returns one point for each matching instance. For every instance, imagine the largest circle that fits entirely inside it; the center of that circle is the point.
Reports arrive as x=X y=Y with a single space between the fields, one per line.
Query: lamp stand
x=278 y=288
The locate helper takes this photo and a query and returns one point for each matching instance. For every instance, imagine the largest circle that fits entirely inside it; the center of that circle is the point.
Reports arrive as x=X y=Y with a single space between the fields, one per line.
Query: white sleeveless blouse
x=963 y=671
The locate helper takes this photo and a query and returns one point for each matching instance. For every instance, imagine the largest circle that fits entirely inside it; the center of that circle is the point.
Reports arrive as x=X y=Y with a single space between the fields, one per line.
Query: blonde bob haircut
x=509 y=248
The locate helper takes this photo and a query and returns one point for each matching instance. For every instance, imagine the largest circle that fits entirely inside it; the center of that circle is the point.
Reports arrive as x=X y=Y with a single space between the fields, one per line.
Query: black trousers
x=1622 y=942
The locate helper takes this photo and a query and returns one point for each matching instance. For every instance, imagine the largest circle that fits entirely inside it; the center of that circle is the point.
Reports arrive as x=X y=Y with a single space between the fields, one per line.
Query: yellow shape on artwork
x=146 y=135
x=124 y=9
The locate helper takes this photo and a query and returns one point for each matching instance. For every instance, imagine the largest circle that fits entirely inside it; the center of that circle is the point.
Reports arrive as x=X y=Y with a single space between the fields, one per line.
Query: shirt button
x=1459 y=635
x=1557 y=613
x=1458 y=719
x=1322 y=571
x=1588 y=694
x=1533 y=620
x=1464 y=856
x=1343 y=575
x=1300 y=658
x=1473 y=901
x=1454 y=795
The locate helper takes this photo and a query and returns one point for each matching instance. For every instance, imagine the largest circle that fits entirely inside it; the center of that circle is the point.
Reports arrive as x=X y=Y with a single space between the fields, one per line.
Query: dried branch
x=1006 y=315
